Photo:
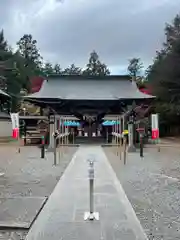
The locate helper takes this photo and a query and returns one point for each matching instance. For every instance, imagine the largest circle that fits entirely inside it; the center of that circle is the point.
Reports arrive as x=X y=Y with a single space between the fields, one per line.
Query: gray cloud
x=68 y=31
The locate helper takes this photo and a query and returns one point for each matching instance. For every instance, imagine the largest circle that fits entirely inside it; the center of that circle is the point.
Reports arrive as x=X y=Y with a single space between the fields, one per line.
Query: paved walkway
x=62 y=216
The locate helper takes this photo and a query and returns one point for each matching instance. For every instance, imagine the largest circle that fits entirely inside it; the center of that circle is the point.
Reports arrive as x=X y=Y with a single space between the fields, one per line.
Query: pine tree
x=72 y=70
x=135 y=67
x=95 y=67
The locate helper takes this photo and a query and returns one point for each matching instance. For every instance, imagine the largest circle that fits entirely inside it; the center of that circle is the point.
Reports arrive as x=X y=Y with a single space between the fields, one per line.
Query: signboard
x=71 y=124
x=155 y=126
x=42 y=126
x=15 y=125
x=140 y=130
x=110 y=123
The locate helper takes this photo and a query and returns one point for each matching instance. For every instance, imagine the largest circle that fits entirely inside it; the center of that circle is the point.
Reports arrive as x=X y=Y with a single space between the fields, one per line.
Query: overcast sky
x=68 y=31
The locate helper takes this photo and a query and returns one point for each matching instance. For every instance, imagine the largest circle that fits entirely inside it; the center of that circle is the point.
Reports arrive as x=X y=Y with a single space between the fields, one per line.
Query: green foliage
x=16 y=68
x=57 y=69
x=95 y=67
x=72 y=70
x=28 y=49
x=164 y=75
x=172 y=33
x=3 y=42
x=48 y=69
x=141 y=82
x=135 y=66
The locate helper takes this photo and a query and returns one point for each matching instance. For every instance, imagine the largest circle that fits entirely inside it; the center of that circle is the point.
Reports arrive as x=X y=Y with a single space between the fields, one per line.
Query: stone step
x=6 y=139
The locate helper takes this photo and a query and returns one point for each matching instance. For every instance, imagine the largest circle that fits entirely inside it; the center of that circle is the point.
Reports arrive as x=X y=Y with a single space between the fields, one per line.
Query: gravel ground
x=27 y=175
x=152 y=185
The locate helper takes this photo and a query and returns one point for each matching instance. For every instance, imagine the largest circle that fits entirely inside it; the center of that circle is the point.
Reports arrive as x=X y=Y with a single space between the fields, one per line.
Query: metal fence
x=118 y=144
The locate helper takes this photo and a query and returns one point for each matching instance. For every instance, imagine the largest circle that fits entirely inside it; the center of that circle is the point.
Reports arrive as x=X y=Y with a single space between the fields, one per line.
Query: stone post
x=52 y=129
x=131 y=138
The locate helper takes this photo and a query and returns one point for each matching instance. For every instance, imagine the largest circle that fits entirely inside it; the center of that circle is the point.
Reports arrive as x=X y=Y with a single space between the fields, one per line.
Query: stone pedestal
x=52 y=129
x=131 y=147
x=80 y=133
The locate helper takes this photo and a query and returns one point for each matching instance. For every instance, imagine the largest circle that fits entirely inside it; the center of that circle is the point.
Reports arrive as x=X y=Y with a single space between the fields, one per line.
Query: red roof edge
x=145 y=91
x=36 y=84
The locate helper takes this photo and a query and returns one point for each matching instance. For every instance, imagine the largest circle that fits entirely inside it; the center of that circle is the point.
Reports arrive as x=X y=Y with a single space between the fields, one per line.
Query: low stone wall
x=5 y=129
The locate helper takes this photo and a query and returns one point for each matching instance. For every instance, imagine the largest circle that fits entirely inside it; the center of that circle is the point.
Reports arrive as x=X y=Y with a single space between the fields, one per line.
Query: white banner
x=15 y=120
x=154 y=122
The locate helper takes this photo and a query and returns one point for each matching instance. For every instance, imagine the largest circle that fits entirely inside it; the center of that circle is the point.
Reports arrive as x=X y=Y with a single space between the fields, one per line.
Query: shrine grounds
x=25 y=187
x=150 y=183
x=152 y=187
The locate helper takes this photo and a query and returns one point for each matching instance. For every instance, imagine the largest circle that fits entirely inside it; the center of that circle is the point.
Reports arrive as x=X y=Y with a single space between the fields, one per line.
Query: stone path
x=62 y=216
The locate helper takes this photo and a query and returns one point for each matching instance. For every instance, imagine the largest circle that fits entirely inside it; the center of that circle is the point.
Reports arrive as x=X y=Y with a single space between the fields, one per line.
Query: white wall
x=5 y=128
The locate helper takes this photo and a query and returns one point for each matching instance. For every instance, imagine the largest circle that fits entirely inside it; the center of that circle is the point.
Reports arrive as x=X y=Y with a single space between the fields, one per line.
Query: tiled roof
x=94 y=88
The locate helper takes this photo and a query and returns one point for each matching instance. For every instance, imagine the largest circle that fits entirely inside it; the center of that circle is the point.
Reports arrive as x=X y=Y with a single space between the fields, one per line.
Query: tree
x=3 y=42
x=13 y=71
x=29 y=51
x=134 y=67
x=95 y=67
x=172 y=33
x=57 y=69
x=29 y=59
x=7 y=63
x=3 y=50
x=164 y=74
x=72 y=70
x=48 y=69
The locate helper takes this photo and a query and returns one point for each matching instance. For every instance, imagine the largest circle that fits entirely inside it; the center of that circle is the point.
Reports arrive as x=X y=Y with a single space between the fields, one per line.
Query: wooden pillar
x=41 y=111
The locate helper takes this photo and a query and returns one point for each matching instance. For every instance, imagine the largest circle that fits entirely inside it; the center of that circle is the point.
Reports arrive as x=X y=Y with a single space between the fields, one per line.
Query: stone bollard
x=91 y=215
x=55 y=135
x=141 y=146
x=125 y=149
x=42 y=147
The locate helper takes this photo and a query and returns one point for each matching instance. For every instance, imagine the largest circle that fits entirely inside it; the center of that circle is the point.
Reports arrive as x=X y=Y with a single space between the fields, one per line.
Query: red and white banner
x=15 y=125
x=155 y=133
x=155 y=126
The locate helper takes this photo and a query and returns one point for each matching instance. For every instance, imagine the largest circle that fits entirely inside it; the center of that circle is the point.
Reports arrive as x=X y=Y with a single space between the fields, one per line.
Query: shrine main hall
x=90 y=99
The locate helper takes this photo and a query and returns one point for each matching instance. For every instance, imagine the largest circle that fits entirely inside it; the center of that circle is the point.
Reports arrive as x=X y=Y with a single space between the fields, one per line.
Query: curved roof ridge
x=89 y=89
